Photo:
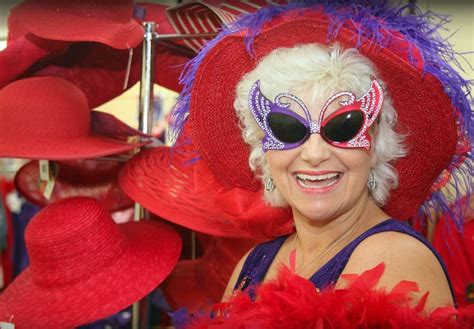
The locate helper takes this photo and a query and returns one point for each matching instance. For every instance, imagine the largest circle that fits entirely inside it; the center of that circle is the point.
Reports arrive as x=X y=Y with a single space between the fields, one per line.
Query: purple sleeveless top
x=259 y=260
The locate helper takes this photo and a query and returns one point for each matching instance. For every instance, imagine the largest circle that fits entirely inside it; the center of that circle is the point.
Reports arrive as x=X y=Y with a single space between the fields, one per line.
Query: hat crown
x=44 y=107
x=69 y=238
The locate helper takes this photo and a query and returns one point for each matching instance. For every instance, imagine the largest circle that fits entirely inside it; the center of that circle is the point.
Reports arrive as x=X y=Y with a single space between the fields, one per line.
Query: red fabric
x=7 y=255
x=49 y=118
x=198 y=284
x=293 y=302
x=457 y=251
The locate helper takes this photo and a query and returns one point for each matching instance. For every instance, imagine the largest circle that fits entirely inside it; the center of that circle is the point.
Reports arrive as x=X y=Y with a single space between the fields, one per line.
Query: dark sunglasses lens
x=344 y=127
x=286 y=128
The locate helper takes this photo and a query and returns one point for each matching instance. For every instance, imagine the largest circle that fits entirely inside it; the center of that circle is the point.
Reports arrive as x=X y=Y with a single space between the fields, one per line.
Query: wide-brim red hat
x=192 y=197
x=49 y=118
x=427 y=93
x=92 y=178
x=84 y=267
x=100 y=71
x=109 y=22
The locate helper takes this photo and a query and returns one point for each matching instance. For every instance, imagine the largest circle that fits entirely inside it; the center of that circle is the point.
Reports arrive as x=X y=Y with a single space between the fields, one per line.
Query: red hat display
x=99 y=70
x=109 y=22
x=197 y=284
x=49 y=118
x=84 y=267
x=92 y=178
x=215 y=173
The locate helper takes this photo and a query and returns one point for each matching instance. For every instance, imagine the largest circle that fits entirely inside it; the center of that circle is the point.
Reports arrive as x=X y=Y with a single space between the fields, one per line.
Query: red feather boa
x=293 y=302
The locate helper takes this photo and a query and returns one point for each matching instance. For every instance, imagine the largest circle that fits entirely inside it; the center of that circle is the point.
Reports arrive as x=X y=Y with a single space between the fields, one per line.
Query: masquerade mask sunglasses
x=347 y=127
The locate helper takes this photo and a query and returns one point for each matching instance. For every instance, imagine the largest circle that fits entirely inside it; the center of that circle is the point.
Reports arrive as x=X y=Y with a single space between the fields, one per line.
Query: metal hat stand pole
x=145 y=113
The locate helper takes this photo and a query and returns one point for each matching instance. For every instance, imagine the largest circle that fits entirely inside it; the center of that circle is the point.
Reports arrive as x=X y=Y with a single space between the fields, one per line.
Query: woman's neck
x=314 y=235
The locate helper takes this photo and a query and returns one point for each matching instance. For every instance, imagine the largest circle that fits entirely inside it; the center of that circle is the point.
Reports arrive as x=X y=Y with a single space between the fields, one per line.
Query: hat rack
x=145 y=118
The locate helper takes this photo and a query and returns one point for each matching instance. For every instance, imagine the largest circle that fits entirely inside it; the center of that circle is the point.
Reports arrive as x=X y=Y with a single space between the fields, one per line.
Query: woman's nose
x=315 y=150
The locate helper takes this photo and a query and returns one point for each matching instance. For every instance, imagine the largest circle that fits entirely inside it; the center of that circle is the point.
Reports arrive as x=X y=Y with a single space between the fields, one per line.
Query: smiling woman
x=324 y=148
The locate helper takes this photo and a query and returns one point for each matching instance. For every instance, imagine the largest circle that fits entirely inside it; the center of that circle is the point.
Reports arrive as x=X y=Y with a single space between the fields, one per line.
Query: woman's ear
x=373 y=157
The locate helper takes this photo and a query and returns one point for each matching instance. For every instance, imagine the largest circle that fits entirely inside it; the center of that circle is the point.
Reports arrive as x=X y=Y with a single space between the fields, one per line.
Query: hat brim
x=164 y=182
x=176 y=185
x=48 y=23
x=424 y=110
x=28 y=184
x=153 y=251
x=86 y=147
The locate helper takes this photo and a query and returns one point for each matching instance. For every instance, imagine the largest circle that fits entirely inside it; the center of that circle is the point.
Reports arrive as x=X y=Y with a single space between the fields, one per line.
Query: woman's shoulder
x=407 y=256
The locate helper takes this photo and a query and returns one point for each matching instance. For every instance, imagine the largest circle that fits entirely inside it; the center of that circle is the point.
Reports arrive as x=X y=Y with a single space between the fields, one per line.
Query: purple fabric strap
x=259 y=260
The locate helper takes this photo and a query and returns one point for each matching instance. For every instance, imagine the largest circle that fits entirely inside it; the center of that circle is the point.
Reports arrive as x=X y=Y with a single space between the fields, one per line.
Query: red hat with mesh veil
x=49 y=118
x=430 y=98
x=109 y=22
x=84 y=267
x=92 y=178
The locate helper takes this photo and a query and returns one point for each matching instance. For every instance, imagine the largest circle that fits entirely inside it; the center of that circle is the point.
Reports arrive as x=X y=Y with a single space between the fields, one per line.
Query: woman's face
x=320 y=181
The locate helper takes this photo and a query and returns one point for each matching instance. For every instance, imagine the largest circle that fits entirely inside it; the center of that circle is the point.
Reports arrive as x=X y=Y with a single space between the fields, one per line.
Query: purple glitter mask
x=347 y=127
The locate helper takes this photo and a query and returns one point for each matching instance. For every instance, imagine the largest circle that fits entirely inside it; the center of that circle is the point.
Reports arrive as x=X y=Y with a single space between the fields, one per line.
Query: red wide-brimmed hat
x=410 y=57
x=49 y=118
x=84 y=267
x=109 y=22
x=198 y=284
x=100 y=71
x=92 y=178
x=191 y=196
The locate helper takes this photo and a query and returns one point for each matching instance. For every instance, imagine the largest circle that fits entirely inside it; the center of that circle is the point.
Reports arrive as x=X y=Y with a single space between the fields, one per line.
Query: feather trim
x=291 y=301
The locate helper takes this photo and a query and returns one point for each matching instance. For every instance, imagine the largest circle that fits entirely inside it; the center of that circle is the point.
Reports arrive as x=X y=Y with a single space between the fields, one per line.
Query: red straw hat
x=427 y=94
x=97 y=69
x=92 y=178
x=49 y=118
x=174 y=184
x=109 y=22
x=84 y=267
x=197 y=284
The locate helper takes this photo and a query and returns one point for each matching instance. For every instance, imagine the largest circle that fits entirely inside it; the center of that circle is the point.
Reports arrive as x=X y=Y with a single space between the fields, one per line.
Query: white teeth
x=315 y=178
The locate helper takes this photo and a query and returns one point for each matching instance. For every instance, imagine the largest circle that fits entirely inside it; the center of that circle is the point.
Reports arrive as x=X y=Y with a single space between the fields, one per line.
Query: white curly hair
x=322 y=71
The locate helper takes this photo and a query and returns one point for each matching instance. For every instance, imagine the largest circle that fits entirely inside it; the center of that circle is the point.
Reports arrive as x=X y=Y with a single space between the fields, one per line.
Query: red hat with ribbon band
x=84 y=267
x=109 y=22
x=409 y=63
x=49 y=118
x=92 y=178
